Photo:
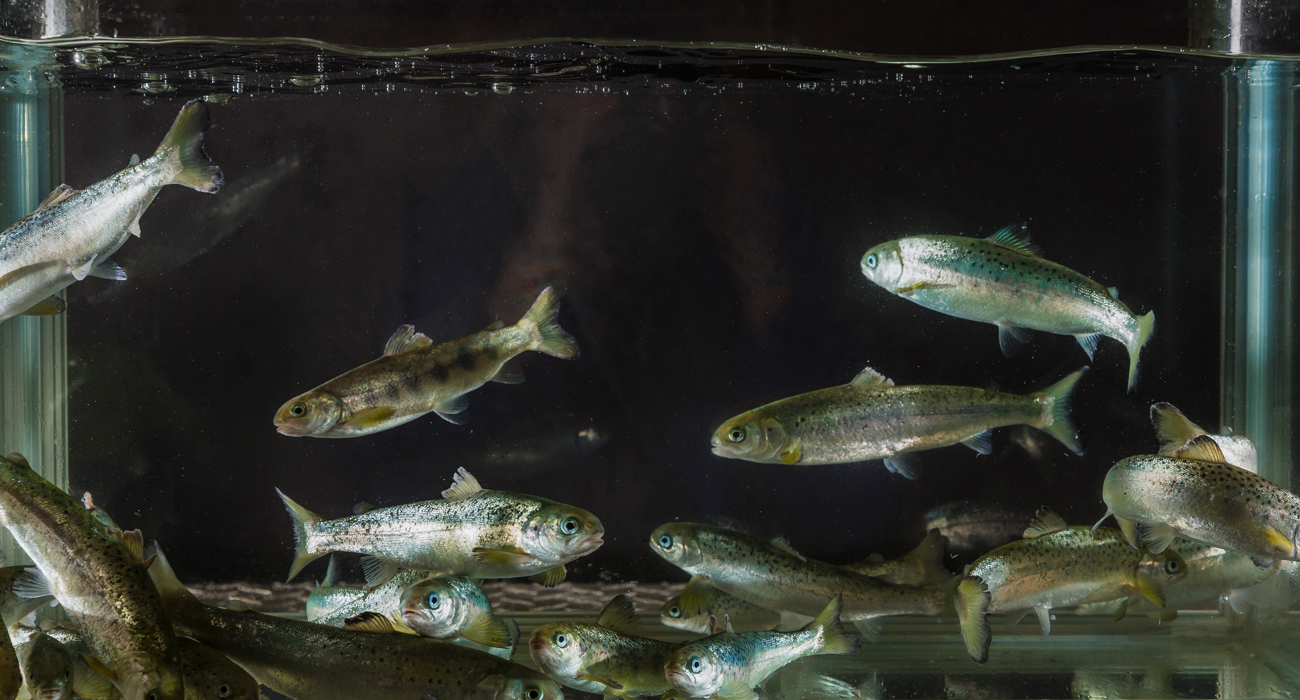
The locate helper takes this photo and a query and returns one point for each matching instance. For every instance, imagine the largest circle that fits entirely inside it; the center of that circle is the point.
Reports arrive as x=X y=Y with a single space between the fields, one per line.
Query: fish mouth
x=288 y=429
x=589 y=545
x=723 y=451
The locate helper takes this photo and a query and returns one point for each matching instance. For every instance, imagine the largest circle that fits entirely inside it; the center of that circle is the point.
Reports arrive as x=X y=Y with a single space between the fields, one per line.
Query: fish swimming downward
x=415 y=377
x=1057 y=566
x=470 y=532
x=871 y=418
x=1002 y=280
x=73 y=232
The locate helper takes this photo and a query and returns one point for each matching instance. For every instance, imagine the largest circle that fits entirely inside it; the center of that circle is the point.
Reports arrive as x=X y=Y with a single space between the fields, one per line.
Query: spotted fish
x=604 y=658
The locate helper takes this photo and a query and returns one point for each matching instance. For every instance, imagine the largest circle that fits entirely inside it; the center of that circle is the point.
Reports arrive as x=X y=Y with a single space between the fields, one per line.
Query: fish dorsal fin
x=870 y=377
x=1173 y=429
x=135 y=160
x=56 y=195
x=1011 y=238
x=781 y=543
x=619 y=615
x=1045 y=522
x=1202 y=448
x=462 y=484
x=405 y=339
x=372 y=622
x=363 y=507
x=695 y=597
x=133 y=542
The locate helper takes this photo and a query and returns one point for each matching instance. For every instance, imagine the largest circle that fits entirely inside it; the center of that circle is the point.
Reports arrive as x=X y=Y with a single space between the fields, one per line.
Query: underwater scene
x=569 y=369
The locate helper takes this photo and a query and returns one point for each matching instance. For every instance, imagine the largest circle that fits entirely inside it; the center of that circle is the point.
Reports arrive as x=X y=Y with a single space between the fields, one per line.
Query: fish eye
x=224 y=690
x=534 y=695
x=569 y=526
x=1171 y=566
x=665 y=541
x=297 y=409
x=433 y=601
x=152 y=696
x=561 y=640
x=872 y=261
x=674 y=611
x=736 y=435
x=696 y=665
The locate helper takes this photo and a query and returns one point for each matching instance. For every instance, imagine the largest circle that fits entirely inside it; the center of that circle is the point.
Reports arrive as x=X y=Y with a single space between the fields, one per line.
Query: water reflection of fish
x=706 y=602
x=922 y=565
x=974 y=527
x=540 y=445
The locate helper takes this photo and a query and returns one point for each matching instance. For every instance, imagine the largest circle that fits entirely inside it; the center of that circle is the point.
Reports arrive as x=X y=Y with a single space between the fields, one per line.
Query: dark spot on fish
x=465 y=359
x=411 y=383
x=438 y=372
x=490 y=352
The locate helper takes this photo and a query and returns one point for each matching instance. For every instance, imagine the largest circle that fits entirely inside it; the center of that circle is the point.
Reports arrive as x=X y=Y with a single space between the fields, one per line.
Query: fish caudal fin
x=1145 y=324
x=549 y=337
x=972 y=613
x=1056 y=420
x=183 y=146
x=929 y=556
x=302 y=519
x=834 y=639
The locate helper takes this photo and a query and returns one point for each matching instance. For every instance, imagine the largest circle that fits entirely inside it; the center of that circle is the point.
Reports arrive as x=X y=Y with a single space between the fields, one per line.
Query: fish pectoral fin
x=1010 y=338
x=79 y=272
x=1044 y=613
x=370 y=621
x=1045 y=522
x=98 y=666
x=377 y=571
x=370 y=418
x=56 y=195
x=399 y=625
x=736 y=691
x=487 y=629
x=1148 y=589
x=92 y=685
x=503 y=557
x=792 y=453
x=1278 y=541
x=405 y=339
x=870 y=628
x=48 y=307
x=510 y=373
x=551 y=577
x=1088 y=341
x=32 y=583
x=109 y=270
x=603 y=679
x=903 y=466
x=981 y=442
x=446 y=408
x=1156 y=536
x=919 y=286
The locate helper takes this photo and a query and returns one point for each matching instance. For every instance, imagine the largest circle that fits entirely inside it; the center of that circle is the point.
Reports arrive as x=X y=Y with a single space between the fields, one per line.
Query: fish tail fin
x=929 y=556
x=548 y=336
x=302 y=520
x=1145 y=324
x=1056 y=419
x=834 y=639
x=972 y=613
x=183 y=146
x=170 y=589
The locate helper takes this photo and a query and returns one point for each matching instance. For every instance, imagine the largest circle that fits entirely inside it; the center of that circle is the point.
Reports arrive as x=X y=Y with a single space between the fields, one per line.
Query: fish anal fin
x=1129 y=529
x=450 y=406
x=903 y=466
x=1088 y=341
x=1201 y=448
x=1046 y=521
x=1044 y=613
x=1280 y=543
x=510 y=373
x=134 y=228
x=1010 y=338
x=619 y=615
x=405 y=339
x=462 y=484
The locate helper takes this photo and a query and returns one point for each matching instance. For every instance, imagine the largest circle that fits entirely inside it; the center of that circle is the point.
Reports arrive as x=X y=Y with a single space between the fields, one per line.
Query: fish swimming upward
x=1001 y=280
x=415 y=377
x=870 y=418
x=73 y=232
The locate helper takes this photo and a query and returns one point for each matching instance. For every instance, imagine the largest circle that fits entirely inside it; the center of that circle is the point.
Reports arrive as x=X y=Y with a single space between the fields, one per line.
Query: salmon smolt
x=606 y=658
x=870 y=418
x=415 y=377
x=73 y=232
x=1001 y=280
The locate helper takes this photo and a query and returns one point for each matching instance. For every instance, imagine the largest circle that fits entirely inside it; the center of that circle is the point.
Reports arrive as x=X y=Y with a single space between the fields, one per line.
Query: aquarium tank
x=720 y=350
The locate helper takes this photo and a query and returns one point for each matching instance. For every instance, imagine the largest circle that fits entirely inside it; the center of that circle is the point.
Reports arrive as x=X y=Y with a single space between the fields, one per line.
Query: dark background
x=705 y=238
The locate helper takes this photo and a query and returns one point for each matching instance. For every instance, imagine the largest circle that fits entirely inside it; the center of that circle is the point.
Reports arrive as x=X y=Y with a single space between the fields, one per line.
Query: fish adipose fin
x=870 y=377
x=548 y=336
x=1172 y=428
x=48 y=307
x=377 y=571
x=56 y=195
x=1056 y=420
x=303 y=519
x=903 y=466
x=1046 y=521
x=183 y=148
x=1145 y=324
x=980 y=442
x=510 y=373
x=549 y=578
x=462 y=484
x=1202 y=449
x=619 y=615
x=972 y=614
x=405 y=339
x=834 y=639
x=1013 y=238
x=1156 y=536
x=1010 y=338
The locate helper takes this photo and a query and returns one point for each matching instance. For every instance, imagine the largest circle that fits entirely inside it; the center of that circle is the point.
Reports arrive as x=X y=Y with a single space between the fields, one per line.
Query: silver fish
x=454 y=607
x=1001 y=280
x=384 y=599
x=471 y=532
x=73 y=233
x=606 y=657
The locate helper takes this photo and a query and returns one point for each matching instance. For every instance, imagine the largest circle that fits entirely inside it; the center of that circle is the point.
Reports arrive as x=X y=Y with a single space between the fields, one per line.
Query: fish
x=604 y=658
x=922 y=565
x=87 y=684
x=73 y=233
x=100 y=514
x=47 y=665
x=307 y=661
x=772 y=575
x=1058 y=566
x=210 y=675
x=729 y=665
x=871 y=418
x=1174 y=430
x=328 y=595
x=98 y=577
x=415 y=377
x=974 y=527
x=471 y=532
x=1002 y=280
x=13 y=608
x=707 y=601
x=454 y=607
x=1195 y=493
x=383 y=598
